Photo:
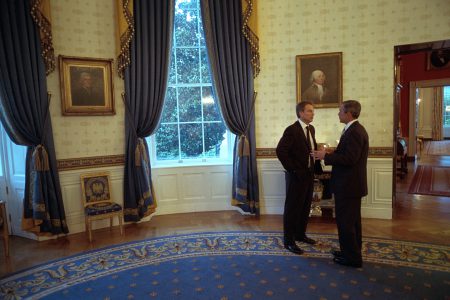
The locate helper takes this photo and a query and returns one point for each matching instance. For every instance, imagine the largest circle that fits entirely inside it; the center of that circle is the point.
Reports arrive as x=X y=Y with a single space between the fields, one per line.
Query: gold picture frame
x=86 y=86
x=319 y=79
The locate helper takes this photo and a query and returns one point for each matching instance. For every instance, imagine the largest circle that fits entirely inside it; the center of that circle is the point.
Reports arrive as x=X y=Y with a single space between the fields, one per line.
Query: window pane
x=185 y=4
x=446 y=106
x=191 y=140
x=172 y=71
x=204 y=68
x=186 y=28
x=169 y=113
x=188 y=66
x=167 y=142
x=189 y=102
x=214 y=136
x=202 y=34
x=210 y=106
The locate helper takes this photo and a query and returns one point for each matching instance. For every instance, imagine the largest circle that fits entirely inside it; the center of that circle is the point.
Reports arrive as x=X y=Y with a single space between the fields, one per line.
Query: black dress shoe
x=337 y=253
x=345 y=262
x=293 y=248
x=307 y=240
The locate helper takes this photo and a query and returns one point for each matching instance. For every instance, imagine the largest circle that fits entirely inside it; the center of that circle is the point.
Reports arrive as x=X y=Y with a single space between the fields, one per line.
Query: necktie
x=308 y=140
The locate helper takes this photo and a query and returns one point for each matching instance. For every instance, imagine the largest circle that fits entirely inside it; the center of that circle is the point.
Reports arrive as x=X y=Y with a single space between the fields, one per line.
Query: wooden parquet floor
x=420 y=218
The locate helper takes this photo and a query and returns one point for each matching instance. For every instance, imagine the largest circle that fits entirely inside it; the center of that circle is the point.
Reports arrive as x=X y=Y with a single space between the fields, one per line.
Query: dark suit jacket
x=349 y=161
x=292 y=149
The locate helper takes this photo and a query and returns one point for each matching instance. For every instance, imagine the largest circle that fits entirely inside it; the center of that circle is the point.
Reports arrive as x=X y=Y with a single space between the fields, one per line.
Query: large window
x=446 y=107
x=191 y=128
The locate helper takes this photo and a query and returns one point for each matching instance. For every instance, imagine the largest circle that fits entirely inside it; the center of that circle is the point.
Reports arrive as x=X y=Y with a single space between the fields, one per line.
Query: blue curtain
x=24 y=113
x=145 y=88
x=230 y=60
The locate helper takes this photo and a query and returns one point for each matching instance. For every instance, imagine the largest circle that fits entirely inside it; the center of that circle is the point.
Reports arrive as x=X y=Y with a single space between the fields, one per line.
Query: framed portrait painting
x=319 y=79
x=86 y=86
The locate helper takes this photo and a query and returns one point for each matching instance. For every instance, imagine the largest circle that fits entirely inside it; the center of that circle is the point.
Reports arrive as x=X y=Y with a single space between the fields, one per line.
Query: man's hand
x=319 y=155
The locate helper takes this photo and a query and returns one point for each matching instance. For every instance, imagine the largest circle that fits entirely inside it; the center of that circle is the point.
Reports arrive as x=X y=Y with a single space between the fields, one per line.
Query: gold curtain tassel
x=140 y=153
x=243 y=146
x=40 y=158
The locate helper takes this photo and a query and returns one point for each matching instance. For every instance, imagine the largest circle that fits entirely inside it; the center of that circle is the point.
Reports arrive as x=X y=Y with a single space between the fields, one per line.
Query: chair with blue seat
x=97 y=200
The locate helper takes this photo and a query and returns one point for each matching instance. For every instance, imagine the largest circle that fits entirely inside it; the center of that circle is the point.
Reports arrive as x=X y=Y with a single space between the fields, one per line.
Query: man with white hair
x=87 y=91
x=317 y=92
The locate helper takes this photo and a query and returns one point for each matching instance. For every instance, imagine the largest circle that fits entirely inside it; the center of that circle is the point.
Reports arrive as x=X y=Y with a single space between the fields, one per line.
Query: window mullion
x=199 y=49
x=176 y=95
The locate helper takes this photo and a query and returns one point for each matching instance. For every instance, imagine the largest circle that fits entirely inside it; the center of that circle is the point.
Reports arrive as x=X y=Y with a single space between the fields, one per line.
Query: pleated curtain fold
x=146 y=76
x=234 y=64
x=24 y=111
x=437 y=130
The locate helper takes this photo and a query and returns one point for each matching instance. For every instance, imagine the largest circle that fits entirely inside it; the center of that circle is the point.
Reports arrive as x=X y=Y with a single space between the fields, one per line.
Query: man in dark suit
x=294 y=151
x=349 y=183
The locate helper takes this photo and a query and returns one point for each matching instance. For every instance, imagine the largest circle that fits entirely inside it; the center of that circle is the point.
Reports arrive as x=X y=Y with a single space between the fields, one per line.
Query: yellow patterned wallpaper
x=365 y=31
x=85 y=28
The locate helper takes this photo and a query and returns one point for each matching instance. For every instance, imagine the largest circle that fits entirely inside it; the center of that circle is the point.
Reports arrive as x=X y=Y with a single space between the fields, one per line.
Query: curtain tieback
x=140 y=152
x=40 y=158
x=243 y=146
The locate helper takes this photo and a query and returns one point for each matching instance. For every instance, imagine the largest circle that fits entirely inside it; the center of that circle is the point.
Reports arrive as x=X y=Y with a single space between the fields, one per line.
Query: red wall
x=413 y=67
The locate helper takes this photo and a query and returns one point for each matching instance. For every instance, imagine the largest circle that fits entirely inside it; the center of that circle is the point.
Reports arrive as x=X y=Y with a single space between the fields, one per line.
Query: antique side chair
x=97 y=200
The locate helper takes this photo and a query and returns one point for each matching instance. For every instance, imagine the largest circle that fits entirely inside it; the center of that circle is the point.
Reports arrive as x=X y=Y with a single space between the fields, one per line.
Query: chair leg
x=7 y=246
x=88 y=224
x=110 y=222
x=120 y=223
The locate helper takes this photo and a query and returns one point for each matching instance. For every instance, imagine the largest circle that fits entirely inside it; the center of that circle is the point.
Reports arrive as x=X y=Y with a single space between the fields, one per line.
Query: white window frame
x=229 y=139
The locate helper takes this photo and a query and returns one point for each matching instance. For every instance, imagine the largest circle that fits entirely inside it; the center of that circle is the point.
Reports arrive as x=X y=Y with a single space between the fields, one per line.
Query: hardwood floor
x=419 y=218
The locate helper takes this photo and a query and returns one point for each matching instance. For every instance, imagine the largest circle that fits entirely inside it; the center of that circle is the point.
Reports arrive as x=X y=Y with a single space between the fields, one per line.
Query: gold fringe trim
x=134 y=211
x=126 y=34
x=140 y=153
x=252 y=38
x=242 y=192
x=32 y=225
x=40 y=158
x=150 y=208
x=251 y=203
x=40 y=12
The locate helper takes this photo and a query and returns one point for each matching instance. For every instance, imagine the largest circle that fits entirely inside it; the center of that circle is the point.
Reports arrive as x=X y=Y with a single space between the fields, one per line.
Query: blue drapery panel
x=145 y=88
x=230 y=59
x=24 y=113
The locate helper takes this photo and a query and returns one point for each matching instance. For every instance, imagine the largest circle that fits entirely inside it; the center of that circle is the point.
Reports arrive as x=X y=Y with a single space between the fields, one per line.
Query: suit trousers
x=299 y=192
x=348 y=220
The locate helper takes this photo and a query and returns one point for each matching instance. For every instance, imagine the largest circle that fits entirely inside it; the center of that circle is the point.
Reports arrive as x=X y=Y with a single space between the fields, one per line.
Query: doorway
x=421 y=113
x=12 y=182
x=414 y=70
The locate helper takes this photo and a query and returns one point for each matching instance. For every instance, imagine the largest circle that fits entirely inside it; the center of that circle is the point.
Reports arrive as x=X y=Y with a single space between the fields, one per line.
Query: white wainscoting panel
x=272 y=189
x=208 y=188
x=377 y=204
x=193 y=189
x=170 y=193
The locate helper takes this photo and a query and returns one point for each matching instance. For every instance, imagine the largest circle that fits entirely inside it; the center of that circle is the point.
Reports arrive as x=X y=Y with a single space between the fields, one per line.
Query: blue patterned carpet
x=237 y=265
